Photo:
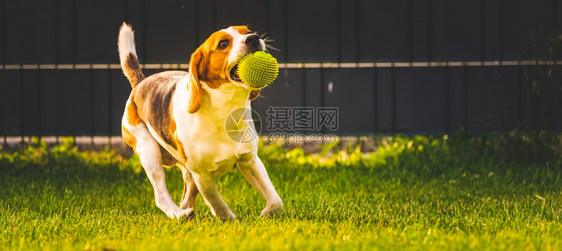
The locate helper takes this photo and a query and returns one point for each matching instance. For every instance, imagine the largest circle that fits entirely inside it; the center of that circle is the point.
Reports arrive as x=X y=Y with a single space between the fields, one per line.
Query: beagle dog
x=178 y=118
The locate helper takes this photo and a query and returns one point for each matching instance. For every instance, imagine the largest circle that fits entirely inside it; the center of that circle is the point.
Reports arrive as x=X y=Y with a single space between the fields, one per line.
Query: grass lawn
x=428 y=193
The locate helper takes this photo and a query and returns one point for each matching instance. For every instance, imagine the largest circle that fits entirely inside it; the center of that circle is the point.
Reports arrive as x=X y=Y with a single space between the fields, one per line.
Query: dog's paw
x=226 y=216
x=187 y=213
x=172 y=211
x=173 y=214
x=230 y=217
x=272 y=209
x=168 y=207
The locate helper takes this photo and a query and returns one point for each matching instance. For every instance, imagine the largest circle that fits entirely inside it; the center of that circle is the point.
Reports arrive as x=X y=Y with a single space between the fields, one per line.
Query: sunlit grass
x=412 y=193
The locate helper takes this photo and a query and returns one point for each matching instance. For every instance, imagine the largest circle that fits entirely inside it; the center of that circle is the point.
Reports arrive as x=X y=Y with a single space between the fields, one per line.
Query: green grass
x=428 y=193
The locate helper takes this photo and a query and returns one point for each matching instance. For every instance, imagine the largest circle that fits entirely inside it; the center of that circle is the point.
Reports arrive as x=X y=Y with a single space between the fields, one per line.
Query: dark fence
x=392 y=66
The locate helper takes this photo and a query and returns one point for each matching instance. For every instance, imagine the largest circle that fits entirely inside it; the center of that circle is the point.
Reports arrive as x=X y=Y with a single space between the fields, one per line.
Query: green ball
x=258 y=69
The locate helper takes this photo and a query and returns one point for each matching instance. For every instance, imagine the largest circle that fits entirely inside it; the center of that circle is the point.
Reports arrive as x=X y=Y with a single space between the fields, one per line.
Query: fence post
x=92 y=105
x=39 y=105
x=214 y=14
x=429 y=33
x=500 y=16
x=339 y=31
x=196 y=22
x=22 y=105
x=411 y=32
x=465 y=97
x=4 y=32
x=519 y=96
x=109 y=105
x=393 y=98
x=447 y=98
x=74 y=36
x=143 y=57
x=268 y=16
x=322 y=101
x=286 y=31
x=375 y=100
x=4 y=50
x=555 y=15
x=483 y=30
x=303 y=76
x=357 y=32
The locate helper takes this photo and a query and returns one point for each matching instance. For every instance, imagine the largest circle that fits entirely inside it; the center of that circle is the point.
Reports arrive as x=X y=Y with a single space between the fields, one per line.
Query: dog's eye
x=223 y=44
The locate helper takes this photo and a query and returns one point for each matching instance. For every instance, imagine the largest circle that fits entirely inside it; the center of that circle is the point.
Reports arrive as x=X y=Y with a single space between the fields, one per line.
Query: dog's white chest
x=208 y=146
x=216 y=159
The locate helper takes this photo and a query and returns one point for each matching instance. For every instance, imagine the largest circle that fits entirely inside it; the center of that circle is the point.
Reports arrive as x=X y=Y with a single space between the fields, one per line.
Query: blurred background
x=388 y=66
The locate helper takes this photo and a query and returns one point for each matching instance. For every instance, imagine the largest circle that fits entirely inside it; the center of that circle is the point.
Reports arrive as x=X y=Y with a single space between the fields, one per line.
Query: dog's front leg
x=254 y=171
x=213 y=199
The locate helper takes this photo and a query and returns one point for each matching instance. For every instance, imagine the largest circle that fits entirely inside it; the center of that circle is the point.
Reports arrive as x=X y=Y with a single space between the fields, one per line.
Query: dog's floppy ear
x=254 y=94
x=194 y=87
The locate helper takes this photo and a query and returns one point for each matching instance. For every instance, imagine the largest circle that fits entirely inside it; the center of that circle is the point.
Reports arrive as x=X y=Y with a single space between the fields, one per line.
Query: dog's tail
x=128 y=55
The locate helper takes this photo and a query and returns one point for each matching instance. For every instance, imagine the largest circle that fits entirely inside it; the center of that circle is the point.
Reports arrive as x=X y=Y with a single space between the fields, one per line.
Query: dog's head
x=214 y=62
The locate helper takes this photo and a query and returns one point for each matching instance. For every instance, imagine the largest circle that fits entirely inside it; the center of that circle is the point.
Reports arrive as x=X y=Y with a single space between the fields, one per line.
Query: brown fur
x=167 y=158
x=132 y=114
x=129 y=138
x=208 y=63
x=242 y=29
x=254 y=94
x=132 y=70
x=193 y=85
x=153 y=99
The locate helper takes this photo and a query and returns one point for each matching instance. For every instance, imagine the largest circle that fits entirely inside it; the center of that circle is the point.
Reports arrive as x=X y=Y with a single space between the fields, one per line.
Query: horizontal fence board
x=170 y=66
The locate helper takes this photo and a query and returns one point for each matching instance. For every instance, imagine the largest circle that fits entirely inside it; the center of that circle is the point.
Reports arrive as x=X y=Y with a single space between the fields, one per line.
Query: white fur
x=237 y=48
x=126 y=42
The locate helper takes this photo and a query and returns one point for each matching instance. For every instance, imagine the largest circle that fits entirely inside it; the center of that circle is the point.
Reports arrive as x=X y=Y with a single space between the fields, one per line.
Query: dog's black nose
x=252 y=40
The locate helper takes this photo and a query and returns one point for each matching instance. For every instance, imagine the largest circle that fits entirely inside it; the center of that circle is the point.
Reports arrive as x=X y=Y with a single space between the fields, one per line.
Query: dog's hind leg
x=190 y=191
x=150 y=156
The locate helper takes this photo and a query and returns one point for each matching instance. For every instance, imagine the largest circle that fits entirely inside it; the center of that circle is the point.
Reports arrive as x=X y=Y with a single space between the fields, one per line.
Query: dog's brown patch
x=167 y=158
x=209 y=64
x=153 y=99
x=210 y=60
x=129 y=138
x=132 y=114
x=242 y=29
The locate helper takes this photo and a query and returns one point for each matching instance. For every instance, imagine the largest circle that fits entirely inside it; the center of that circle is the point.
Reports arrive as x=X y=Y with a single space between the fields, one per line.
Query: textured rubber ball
x=258 y=69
